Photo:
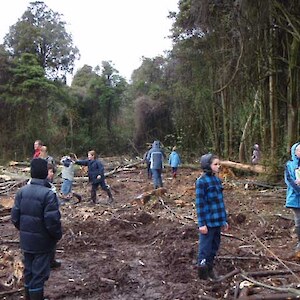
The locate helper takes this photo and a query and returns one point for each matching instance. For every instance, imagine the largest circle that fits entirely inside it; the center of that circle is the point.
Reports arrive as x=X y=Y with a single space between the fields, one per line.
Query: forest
x=231 y=80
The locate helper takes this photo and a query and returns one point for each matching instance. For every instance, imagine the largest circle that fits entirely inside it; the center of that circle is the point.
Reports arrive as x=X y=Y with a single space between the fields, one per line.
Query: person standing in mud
x=96 y=175
x=37 y=145
x=37 y=217
x=174 y=161
x=211 y=214
x=292 y=180
x=255 y=158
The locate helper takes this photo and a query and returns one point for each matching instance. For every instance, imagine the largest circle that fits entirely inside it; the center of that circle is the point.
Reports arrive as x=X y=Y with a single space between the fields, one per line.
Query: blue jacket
x=156 y=156
x=293 y=190
x=174 y=159
x=209 y=201
x=36 y=215
x=95 y=168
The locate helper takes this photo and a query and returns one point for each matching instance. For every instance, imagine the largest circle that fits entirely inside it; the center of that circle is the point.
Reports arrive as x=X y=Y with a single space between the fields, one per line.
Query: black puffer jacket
x=36 y=214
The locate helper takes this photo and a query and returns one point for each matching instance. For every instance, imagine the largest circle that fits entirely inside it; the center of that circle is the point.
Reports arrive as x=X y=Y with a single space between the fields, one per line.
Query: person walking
x=292 y=180
x=174 y=161
x=96 y=176
x=211 y=215
x=156 y=157
x=37 y=217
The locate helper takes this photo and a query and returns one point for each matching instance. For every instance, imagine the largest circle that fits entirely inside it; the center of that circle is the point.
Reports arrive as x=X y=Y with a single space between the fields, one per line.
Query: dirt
x=146 y=250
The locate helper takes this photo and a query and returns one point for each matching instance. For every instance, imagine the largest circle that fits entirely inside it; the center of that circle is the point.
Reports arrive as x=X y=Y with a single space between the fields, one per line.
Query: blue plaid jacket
x=209 y=201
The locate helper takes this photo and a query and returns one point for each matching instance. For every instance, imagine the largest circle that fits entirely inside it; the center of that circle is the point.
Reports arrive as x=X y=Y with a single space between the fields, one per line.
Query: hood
x=156 y=144
x=205 y=162
x=256 y=147
x=294 y=158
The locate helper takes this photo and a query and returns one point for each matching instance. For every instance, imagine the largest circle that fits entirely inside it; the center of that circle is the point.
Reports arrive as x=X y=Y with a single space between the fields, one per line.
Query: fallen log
x=252 y=168
x=273 y=296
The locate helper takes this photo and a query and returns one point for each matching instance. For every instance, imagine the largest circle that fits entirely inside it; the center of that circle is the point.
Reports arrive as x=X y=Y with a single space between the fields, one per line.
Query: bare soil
x=135 y=250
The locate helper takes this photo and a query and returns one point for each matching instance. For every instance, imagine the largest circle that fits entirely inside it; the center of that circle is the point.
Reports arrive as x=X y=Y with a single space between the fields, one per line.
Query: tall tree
x=41 y=31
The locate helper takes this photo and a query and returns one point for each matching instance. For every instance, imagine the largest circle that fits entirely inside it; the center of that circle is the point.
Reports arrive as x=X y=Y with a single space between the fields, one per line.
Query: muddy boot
x=55 y=264
x=26 y=294
x=110 y=197
x=38 y=295
x=203 y=270
x=211 y=274
x=79 y=198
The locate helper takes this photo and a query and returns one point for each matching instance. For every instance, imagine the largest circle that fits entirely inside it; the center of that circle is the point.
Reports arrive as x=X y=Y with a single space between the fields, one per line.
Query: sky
x=121 y=31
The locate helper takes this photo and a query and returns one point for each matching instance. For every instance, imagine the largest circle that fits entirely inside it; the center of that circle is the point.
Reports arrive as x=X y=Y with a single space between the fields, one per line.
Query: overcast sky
x=121 y=31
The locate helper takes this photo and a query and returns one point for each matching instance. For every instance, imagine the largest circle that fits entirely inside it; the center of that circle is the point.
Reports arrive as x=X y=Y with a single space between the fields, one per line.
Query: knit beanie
x=39 y=168
x=205 y=162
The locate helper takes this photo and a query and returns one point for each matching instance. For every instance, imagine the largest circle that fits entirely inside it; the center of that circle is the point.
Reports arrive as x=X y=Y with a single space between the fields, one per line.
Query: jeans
x=66 y=186
x=209 y=245
x=157 y=180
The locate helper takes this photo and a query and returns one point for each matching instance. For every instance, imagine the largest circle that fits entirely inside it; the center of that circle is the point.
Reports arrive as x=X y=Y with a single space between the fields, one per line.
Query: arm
x=52 y=216
x=83 y=162
x=290 y=179
x=15 y=212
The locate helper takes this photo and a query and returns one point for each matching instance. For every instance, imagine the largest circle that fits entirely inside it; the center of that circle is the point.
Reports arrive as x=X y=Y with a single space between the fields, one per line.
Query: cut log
x=251 y=168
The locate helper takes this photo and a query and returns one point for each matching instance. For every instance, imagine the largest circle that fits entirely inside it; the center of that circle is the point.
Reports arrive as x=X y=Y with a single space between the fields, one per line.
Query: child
x=67 y=174
x=96 y=175
x=211 y=215
x=292 y=181
x=255 y=158
x=156 y=157
x=36 y=215
x=147 y=161
x=37 y=148
x=174 y=161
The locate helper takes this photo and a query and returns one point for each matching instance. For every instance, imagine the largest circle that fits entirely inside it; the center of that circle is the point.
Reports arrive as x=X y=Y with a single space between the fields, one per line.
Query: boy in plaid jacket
x=211 y=214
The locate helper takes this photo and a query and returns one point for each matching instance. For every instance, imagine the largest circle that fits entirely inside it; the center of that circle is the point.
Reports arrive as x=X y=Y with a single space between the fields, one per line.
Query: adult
x=37 y=145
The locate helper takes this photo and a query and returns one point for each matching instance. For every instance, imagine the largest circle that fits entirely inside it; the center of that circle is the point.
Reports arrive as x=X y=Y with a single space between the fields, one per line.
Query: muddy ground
x=148 y=250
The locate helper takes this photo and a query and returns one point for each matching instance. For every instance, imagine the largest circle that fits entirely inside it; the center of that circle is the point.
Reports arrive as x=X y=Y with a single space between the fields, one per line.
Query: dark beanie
x=39 y=168
x=205 y=162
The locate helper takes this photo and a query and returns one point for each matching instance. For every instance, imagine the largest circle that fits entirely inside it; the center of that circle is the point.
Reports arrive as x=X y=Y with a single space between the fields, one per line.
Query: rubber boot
x=211 y=274
x=110 y=197
x=203 y=270
x=39 y=295
x=79 y=198
x=27 y=296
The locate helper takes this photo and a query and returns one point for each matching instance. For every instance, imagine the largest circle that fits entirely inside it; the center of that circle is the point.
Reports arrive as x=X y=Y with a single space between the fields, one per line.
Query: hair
x=93 y=153
x=43 y=153
x=174 y=148
x=39 y=142
x=50 y=167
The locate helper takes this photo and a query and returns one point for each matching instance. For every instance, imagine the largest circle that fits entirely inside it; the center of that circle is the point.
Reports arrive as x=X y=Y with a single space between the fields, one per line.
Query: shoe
x=212 y=275
x=203 y=270
x=79 y=198
x=110 y=200
x=55 y=264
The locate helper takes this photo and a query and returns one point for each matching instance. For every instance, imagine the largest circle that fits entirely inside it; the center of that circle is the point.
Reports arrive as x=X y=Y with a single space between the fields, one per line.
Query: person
x=54 y=264
x=156 y=157
x=147 y=161
x=67 y=174
x=211 y=215
x=174 y=161
x=96 y=175
x=292 y=180
x=255 y=158
x=37 y=217
x=37 y=148
x=50 y=160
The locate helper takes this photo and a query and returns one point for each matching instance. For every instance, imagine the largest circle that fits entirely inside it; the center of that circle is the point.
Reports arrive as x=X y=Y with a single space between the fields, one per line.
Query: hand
x=203 y=229
x=225 y=227
x=99 y=177
x=297 y=181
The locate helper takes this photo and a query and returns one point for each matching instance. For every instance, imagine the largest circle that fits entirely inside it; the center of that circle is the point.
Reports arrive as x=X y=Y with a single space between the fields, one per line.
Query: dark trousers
x=36 y=270
x=209 y=245
x=95 y=186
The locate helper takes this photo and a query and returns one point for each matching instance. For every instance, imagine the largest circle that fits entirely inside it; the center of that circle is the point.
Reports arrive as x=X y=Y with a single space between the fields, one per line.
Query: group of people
x=37 y=216
x=154 y=159
x=36 y=209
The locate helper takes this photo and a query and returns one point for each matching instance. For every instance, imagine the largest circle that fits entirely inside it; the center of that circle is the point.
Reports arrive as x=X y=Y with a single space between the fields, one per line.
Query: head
x=92 y=155
x=256 y=147
x=44 y=152
x=174 y=148
x=156 y=144
x=50 y=172
x=38 y=168
x=37 y=144
x=210 y=163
